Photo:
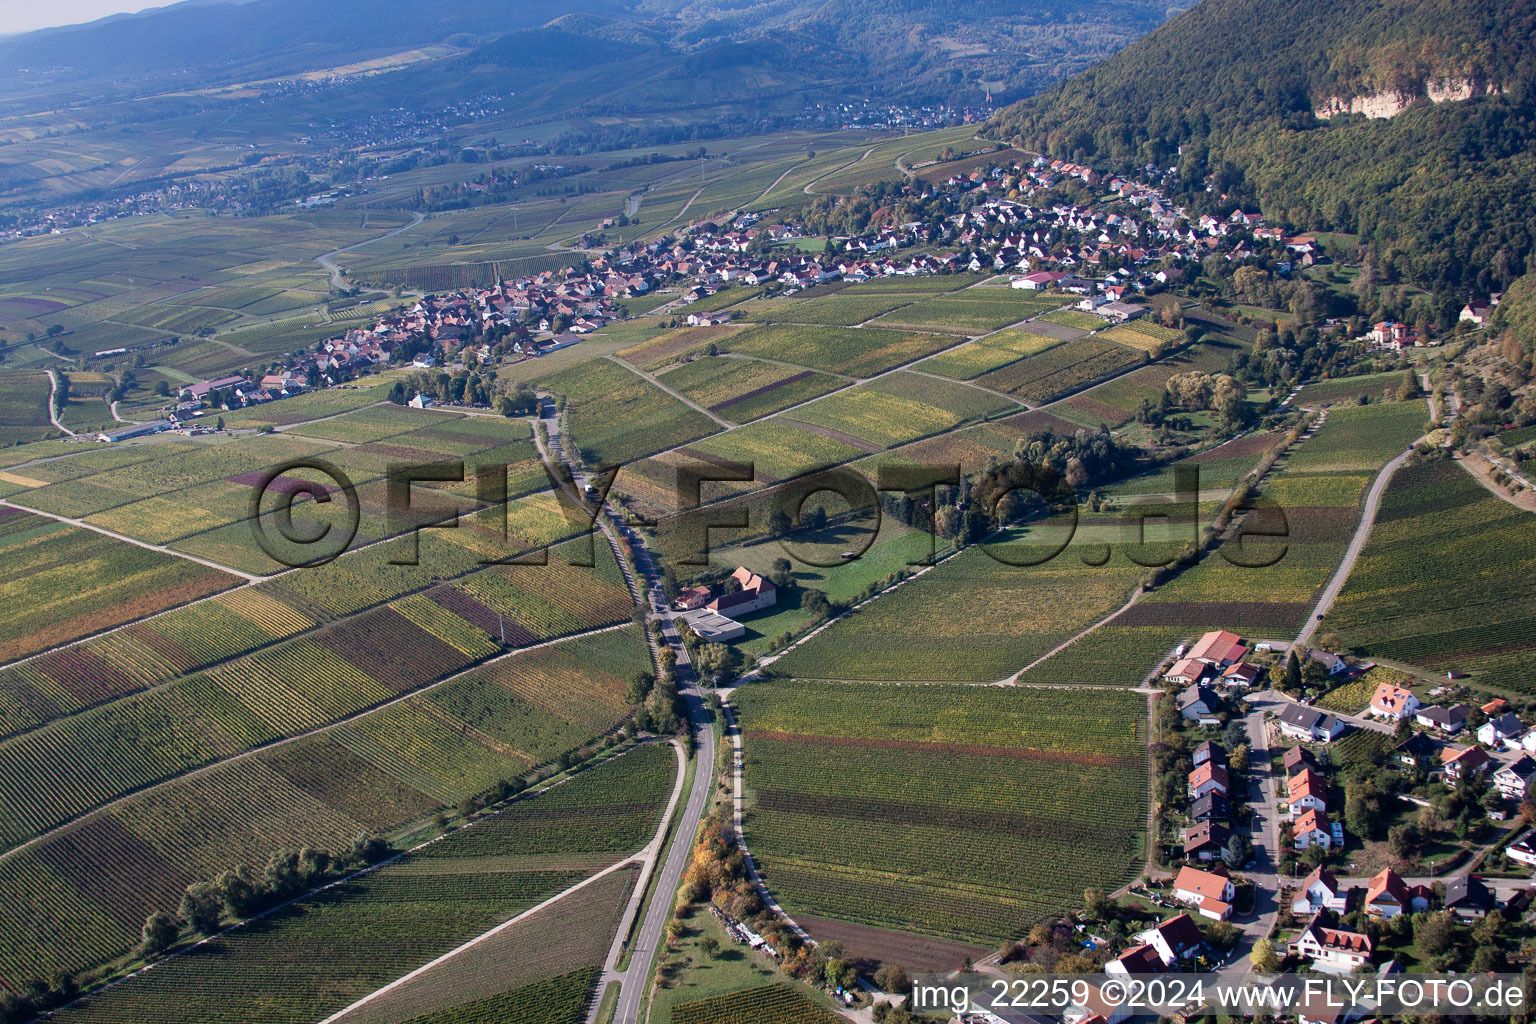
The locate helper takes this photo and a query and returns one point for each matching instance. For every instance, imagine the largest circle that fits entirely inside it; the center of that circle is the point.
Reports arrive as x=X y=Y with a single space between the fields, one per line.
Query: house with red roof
x=1220 y=648
x=1209 y=892
x=1329 y=947
x=1393 y=702
x=756 y=593
x=1306 y=791
x=1463 y=763
x=1312 y=829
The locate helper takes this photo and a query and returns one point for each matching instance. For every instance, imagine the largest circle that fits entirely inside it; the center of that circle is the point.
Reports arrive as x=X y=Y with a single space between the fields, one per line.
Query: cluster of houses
x=713 y=617
x=1305 y=803
x=1216 y=660
x=1143 y=230
x=1433 y=750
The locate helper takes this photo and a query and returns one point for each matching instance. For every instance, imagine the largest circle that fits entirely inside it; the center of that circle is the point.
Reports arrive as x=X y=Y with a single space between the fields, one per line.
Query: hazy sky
x=23 y=16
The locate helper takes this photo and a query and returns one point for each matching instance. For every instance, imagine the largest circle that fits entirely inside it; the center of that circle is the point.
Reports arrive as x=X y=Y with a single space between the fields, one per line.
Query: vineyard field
x=60 y=583
x=891 y=818
x=860 y=352
x=1061 y=370
x=304 y=962
x=777 y=1003
x=899 y=408
x=1477 y=618
x=743 y=389
x=618 y=416
x=994 y=619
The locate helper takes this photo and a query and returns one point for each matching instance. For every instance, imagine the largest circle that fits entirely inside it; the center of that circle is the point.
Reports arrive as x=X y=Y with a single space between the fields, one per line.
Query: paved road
x=53 y=403
x=328 y=260
x=701 y=720
x=1356 y=544
x=636 y=977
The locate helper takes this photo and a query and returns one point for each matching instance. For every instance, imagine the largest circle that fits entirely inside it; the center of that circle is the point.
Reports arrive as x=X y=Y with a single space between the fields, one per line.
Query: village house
x=1306 y=791
x=1393 y=702
x=1297 y=759
x=1463 y=763
x=1241 y=676
x=1388 y=896
x=1332 y=663
x=1304 y=723
x=1209 y=778
x=1209 y=892
x=1329 y=947
x=1208 y=750
x=1417 y=751
x=1211 y=807
x=1199 y=704
x=1468 y=896
x=1175 y=940
x=1449 y=720
x=1523 y=849
x=1320 y=891
x=1497 y=731
x=690 y=598
x=1205 y=841
x=1514 y=779
x=1312 y=828
x=1136 y=961
x=1187 y=671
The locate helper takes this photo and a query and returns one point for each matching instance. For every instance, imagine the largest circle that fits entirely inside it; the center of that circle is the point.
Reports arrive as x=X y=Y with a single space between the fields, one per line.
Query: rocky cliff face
x=1390 y=103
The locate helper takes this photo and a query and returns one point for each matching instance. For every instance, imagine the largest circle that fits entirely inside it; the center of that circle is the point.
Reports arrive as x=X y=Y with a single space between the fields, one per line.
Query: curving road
x=1356 y=545
x=328 y=260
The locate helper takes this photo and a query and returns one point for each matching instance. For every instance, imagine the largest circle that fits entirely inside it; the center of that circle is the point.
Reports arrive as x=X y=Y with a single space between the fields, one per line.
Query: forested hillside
x=1252 y=98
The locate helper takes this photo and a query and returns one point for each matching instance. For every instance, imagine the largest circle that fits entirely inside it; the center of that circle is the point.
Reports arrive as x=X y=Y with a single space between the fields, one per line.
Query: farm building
x=713 y=627
x=136 y=430
x=756 y=593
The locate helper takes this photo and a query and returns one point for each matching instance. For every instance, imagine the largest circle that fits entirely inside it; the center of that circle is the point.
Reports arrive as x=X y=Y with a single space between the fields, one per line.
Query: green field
x=892 y=817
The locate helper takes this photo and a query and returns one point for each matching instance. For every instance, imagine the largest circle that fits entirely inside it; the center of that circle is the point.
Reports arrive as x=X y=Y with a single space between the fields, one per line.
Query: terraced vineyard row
x=956 y=812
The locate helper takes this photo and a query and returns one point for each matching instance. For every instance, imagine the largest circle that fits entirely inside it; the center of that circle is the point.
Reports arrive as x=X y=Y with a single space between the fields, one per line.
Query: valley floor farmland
x=962 y=812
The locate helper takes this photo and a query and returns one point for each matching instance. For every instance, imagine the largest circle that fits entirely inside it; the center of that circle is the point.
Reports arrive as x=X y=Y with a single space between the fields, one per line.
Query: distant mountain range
x=1411 y=123
x=913 y=50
